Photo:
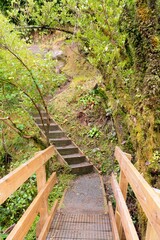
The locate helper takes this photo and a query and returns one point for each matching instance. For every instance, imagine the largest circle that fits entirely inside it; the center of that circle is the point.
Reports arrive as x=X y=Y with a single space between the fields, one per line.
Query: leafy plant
x=12 y=209
x=108 y=166
x=94 y=132
x=154 y=163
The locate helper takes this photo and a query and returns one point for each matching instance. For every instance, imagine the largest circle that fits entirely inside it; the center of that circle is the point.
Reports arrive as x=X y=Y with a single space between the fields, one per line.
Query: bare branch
x=48 y=28
x=4 y=118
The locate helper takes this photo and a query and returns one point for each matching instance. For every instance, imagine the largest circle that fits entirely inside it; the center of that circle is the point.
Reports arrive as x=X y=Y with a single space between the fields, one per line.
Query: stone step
x=66 y=150
x=59 y=142
x=81 y=168
x=56 y=134
x=38 y=120
x=74 y=158
x=52 y=127
x=37 y=114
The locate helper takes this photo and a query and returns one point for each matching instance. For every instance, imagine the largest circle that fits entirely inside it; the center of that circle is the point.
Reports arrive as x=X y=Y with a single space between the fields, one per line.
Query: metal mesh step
x=90 y=226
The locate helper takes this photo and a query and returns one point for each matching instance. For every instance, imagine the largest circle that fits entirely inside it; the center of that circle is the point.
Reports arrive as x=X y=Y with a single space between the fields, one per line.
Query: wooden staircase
x=71 y=222
x=67 y=151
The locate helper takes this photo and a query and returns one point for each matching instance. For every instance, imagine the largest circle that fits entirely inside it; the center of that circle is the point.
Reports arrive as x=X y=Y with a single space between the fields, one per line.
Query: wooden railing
x=145 y=194
x=11 y=182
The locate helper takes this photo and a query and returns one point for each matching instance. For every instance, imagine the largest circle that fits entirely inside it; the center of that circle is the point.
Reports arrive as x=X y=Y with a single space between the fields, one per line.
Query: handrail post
x=41 y=181
x=150 y=232
x=123 y=184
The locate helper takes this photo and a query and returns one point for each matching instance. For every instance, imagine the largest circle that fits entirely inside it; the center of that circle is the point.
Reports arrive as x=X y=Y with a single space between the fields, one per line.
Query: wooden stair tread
x=80 y=165
x=74 y=155
x=65 y=147
x=59 y=139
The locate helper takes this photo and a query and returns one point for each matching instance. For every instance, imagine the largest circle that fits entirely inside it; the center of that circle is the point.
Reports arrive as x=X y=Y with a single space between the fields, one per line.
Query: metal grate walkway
x=69 y=226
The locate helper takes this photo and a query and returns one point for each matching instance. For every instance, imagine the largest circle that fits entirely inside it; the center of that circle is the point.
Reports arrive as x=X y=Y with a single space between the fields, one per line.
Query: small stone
x=96 y=150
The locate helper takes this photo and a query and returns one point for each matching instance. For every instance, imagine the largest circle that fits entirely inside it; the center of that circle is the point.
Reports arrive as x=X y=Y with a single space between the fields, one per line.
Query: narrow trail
x=83 y=212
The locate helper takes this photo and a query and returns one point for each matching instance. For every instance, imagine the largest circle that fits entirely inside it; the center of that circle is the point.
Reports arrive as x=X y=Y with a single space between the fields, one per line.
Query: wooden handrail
x=113 y=222
x=123 y=184
x=126 y=220
x=11 y=182
x=150 y=233
x=147 y=197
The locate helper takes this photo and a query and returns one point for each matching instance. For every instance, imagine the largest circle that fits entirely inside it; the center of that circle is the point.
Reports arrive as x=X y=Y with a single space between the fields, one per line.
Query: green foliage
x=5 y=5
x=94 y=132
x=94 y=97
x=58 y=190
x=88 y=100
x=31 y=235
x=25 y=80
x=107 y=166
x=121 y=39
x=22 y=70
x=13 y=208
x=154 y=163
x=41 y=13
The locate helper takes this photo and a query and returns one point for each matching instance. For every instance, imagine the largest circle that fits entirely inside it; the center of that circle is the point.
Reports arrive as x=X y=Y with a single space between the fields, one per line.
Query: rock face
x=57 y=54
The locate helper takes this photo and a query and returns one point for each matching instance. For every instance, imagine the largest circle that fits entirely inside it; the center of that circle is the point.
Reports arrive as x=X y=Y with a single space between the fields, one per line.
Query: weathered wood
x=123 y=184
x=149 y=200
x=150 y=233
x=41 y=181
x=23 y=225
x=157 y=191
x=48 y=222
x=11 y=182
x=113 y=222
x=126 y=220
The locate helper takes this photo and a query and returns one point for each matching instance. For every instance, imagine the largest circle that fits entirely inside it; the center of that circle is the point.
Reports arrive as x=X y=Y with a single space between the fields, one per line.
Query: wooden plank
x=113 y=222
x=123 y=184
x=126 y=220
x=41 y=181
x=48 y=222
x=150 y=233
x=149 y=200
x=11 y=182
x=23 y=225
x=157 y=191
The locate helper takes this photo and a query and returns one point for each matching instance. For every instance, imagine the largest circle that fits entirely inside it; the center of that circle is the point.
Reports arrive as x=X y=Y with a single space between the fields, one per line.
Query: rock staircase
x=67 y=151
